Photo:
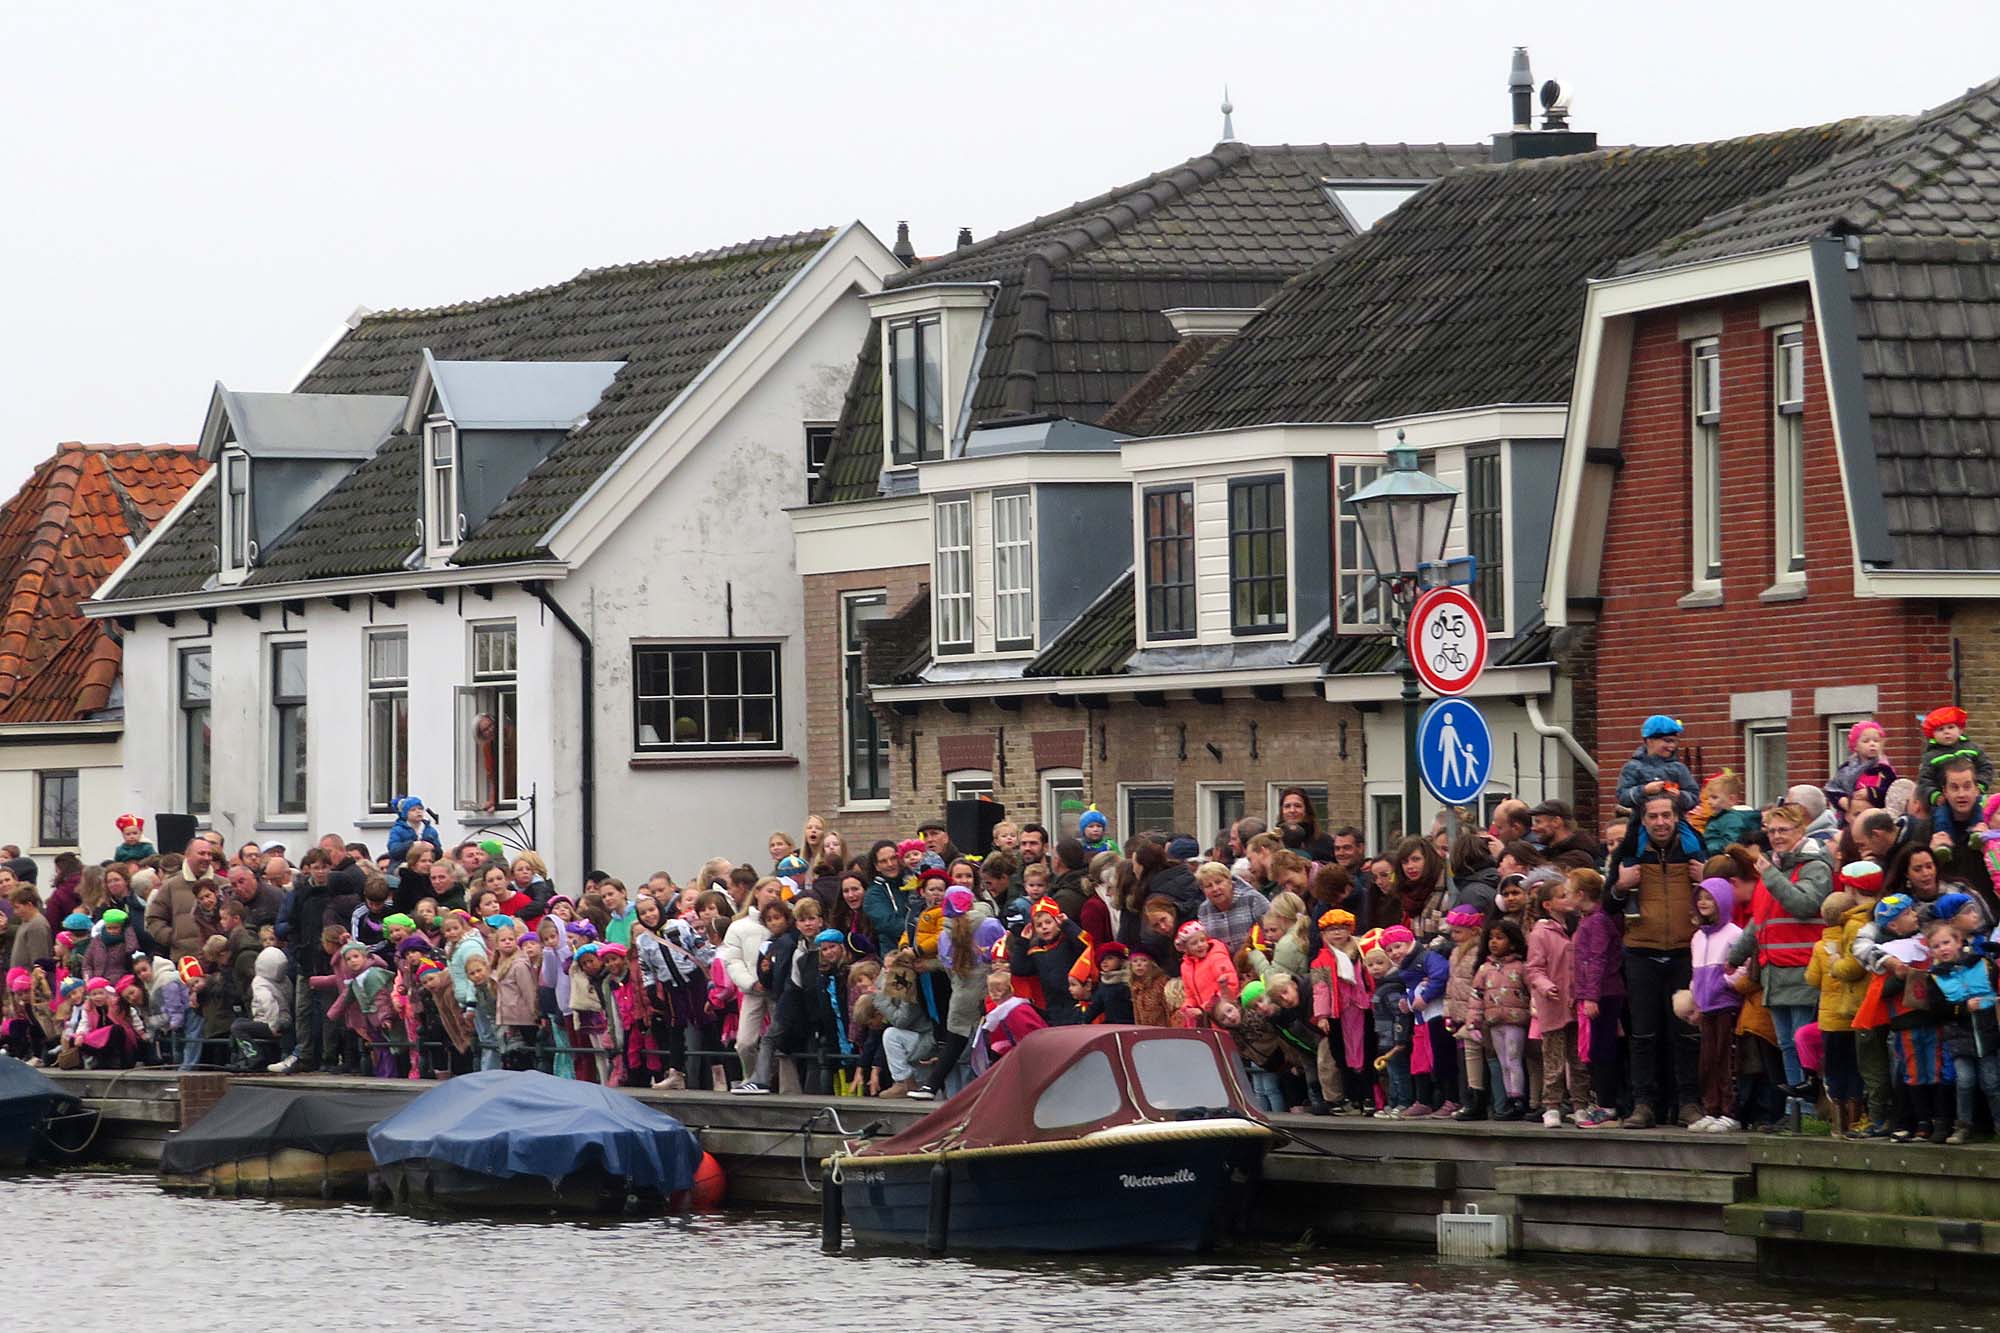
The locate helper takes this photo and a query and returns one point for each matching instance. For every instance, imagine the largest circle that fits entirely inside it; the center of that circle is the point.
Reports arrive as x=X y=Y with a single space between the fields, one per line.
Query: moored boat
x=504 y=1140
x=291 y=1140
x=1082 y=1138
x=32 y=1108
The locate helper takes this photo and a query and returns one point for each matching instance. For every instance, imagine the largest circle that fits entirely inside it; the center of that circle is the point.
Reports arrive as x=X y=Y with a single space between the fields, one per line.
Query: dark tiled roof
x=60 y=537
x=1366 y=654
x=1076 y=322
x=1097 y=643
x=1936 y=175
x=1927 y=320
x=1472 y=292
x=666 y=320
x=1132 y=413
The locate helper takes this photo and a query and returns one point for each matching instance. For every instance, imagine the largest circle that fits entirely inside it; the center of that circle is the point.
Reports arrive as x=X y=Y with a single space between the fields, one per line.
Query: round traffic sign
x=1446 y=640
x=1454 y=751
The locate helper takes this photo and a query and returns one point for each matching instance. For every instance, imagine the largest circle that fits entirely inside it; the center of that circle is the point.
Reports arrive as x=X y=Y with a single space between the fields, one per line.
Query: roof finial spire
x=1228 y=125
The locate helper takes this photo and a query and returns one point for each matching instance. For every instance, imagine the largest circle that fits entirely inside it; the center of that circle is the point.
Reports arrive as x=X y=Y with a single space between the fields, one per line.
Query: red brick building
x=1780 y=509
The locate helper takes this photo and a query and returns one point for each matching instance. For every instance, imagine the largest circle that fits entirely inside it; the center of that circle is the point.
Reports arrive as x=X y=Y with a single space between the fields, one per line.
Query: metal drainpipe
x=587 y=661
x=1569 y=742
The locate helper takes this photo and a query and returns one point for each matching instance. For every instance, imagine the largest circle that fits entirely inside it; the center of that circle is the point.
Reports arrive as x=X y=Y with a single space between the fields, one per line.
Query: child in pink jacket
x=1206 y=972
x=1553 y=999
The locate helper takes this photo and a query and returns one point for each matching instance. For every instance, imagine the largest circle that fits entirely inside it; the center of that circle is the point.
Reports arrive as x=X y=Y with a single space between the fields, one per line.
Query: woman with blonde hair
x=714 y=874
x=90 y=891
x=530 y=874
x=810 y=838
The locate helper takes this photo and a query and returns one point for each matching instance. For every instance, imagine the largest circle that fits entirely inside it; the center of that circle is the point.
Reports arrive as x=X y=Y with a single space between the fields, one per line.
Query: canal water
x=108 y=1252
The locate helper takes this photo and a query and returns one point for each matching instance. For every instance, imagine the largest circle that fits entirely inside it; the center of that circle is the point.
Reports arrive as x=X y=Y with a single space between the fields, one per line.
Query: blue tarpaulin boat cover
x=506 y=1123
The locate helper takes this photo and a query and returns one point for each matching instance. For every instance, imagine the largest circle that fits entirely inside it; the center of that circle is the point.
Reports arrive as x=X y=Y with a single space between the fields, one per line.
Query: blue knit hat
x=1891 y=907
x=1659 y=724
x=1950 y=905
x=829 y=936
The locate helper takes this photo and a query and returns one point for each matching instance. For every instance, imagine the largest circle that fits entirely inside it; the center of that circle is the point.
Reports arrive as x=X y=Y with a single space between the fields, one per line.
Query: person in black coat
x=1045 y=947
x=1161 y=875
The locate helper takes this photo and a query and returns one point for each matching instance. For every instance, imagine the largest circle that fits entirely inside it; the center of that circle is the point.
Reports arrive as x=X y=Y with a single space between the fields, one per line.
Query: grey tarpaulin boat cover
x=505 y=1123
x=251 y=1122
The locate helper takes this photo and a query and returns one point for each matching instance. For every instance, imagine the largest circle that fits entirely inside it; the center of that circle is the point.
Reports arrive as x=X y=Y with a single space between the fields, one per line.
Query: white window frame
x=928 y=331
x=1128 y=826
x=1754 y=779
x=498 y=681
x=739 y=649
x=442 y=531
x=850 y=663
x=185 y=707
x=968 y=784
x=1209 y=826
x=1837 y=725
x=1367 y=467
x=1705 y=525
x=1014 y=571
x=809 y=432
x=1283 y=533
x=952 y=576
x=237 y=546
x=1053 y=781
x=274 y=777
x=1788 y=504
x=1385 y=811
x=390 y=689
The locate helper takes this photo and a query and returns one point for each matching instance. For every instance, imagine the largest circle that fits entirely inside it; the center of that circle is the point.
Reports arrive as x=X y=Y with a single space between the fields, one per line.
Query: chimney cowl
x=964 y=238
x=1521 y=90
x=906 y=254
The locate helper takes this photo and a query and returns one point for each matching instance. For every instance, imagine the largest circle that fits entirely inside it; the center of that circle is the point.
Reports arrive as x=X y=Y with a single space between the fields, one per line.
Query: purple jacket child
x=1597 y=952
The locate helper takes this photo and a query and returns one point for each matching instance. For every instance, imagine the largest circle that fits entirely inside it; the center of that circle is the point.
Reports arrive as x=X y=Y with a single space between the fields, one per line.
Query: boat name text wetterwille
x=1180 y=1177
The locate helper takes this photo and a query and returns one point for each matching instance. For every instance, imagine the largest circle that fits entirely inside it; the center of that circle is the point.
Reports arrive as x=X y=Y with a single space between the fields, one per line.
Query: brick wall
x=1975 y=626
x=825 y=773
x=1297 y=740
x=1653 y=656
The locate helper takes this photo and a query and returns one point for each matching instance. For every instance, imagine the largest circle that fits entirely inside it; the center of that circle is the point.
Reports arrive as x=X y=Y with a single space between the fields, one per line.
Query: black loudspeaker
x=172 y=833
x=970 y=824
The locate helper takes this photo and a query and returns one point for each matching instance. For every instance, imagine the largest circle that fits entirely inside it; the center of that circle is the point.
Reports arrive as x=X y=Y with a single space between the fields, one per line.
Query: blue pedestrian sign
x=1454 y=751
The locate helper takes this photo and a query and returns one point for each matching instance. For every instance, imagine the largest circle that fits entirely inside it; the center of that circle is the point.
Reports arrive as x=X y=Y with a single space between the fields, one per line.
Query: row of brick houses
x=1780 y=349
x=1060 y=516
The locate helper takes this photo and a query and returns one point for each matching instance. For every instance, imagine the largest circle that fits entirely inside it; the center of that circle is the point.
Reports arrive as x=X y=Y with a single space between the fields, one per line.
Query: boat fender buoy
x=830 y=1209
x=710 y=1184
x=937 y=1229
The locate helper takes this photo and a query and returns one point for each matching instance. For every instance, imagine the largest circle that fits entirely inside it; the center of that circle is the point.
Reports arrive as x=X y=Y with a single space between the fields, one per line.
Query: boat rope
x=96 y=1119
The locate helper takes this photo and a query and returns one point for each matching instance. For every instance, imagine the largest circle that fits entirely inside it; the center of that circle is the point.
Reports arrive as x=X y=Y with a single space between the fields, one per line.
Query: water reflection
x=197 y=1265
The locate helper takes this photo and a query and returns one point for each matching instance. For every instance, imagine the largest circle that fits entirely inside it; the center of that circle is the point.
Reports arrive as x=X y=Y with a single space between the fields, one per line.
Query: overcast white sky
x=197 y=192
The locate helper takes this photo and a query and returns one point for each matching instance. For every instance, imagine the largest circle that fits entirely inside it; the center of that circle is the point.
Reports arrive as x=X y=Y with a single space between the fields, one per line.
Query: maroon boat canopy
x=1064 y=1082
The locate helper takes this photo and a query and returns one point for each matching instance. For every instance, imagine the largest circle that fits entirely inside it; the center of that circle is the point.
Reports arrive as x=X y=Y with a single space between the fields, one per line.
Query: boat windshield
x=1174 y=1075
x=1084 y=1093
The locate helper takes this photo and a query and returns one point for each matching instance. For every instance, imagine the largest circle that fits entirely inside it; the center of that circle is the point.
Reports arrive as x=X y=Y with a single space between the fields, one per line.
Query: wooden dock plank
x=1581 y=1182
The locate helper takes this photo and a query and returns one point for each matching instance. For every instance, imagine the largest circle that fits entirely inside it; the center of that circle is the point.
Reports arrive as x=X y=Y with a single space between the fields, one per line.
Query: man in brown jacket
x=1657 y=866
x=170 y=911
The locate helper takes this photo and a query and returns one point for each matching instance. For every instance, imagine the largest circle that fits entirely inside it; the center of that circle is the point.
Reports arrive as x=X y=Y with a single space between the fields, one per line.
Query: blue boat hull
x=1140 y=1196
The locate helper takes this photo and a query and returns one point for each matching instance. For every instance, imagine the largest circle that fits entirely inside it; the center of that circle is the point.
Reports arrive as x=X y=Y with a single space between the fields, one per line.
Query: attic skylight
x=1366 y=202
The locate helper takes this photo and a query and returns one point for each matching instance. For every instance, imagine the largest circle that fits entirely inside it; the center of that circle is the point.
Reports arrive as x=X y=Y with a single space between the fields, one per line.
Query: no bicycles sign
x=1446 y=640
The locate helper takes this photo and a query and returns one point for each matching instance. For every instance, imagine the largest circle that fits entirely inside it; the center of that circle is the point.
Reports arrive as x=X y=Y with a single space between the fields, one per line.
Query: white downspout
x=1545 y=728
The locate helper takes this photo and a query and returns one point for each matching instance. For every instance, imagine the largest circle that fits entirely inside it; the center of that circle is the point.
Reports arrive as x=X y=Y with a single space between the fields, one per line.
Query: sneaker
x=1552 y=1119
x=284 y=1066
x=1595 y=1117
x=1418 y=1111
x=1642 y=1117
x=1691 y=1113
x=1389 y=1113
x=671 y=1081
x=922 y=1094
x=750 y=1088
x=1702 y=1125
x=1445 y=1112
x=1723 y=1124
x=1960 y=1134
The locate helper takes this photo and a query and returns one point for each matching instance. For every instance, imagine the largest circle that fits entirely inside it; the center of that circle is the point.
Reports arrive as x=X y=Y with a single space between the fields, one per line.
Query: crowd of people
x=1708 y=963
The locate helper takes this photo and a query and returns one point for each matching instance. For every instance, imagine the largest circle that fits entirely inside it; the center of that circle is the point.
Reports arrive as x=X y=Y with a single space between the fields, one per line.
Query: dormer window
x=916 y=382
x=239 y=548
x=443 y=521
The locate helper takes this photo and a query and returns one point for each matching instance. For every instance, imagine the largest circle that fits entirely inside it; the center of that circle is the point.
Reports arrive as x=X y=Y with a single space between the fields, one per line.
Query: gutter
x=587 y=660
x=101 y=607
x=1569 y=742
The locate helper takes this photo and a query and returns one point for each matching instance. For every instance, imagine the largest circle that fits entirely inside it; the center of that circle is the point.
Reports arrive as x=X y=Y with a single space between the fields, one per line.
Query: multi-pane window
x=1014 y=571
x=819 y=443
x=1364 y=598
x=954 y=575
x=1385 y=820
x=1705 y=501
x=1837 y=727
x=486 y=717
x=194 y=691
x=1221 y=806
x=1062 y=801
x=866 y=748
x=705 y=696
x=1764 y=763
x=288 y=728
x=968 y=784
x=441 y=484
x=1149 y=808
x=916 y=391
x=1788 y=463
x=55 y=801
x=1258 y=603
x=235 y=510
x=1486 y=534
x=1169 y=537
x=388 y=718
